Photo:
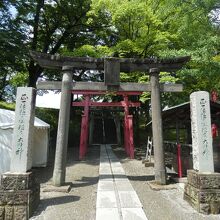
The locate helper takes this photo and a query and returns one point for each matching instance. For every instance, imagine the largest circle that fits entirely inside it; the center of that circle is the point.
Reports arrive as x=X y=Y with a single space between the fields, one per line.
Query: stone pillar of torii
x=112 y=68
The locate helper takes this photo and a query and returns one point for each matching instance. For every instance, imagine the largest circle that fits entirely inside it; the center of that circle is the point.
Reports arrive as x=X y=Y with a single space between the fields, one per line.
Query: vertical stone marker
x=21 y=157
x=203 y=184
x=201 y=132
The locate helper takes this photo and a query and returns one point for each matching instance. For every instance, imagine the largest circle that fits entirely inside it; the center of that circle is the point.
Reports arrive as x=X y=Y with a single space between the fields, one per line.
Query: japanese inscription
x=23 y=128
x=201 y=132
x=21 y=125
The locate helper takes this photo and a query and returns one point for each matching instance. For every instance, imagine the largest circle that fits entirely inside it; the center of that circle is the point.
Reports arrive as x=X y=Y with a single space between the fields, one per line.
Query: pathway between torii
x=116 y=198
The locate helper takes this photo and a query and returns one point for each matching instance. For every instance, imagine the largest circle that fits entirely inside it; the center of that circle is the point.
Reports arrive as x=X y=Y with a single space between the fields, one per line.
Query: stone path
x=116 y=198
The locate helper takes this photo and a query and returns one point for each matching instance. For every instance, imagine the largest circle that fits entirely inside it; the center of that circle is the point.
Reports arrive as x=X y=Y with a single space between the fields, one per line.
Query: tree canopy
x=121 y=28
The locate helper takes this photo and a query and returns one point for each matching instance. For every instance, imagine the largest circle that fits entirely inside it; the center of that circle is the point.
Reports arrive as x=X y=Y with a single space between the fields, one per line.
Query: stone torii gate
x=112 y=68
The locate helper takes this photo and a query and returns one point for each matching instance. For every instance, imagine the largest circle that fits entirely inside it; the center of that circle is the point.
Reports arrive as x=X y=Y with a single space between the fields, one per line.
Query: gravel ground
x=80 y=202
x=158 y=205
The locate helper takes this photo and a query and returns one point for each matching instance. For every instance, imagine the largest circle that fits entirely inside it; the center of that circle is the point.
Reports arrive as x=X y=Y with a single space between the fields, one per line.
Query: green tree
x=45 y=26
x=128 y=28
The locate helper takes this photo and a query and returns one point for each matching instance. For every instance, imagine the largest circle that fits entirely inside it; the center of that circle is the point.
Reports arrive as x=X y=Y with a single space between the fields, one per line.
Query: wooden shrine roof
x=182 y=113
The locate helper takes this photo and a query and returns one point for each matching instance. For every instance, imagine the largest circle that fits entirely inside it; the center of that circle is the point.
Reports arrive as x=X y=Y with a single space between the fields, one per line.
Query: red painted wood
x=131 y=137
x=126 y=135
x=84 y=130
x=179 y=161
x=86 y=112
x=82 y=138
x=126 y=128
x=89 y=92
x=106 y=104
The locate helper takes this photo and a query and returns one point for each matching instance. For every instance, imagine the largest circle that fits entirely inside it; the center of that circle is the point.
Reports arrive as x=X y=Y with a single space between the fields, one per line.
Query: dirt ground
x=80 y=202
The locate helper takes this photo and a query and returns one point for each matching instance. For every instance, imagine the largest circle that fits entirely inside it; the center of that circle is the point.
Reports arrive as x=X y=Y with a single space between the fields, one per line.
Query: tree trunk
x=34 y=73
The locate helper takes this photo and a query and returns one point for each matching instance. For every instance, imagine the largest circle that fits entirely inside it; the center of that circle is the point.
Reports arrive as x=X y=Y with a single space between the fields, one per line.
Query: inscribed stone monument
x=21 y=157
x=201 y=132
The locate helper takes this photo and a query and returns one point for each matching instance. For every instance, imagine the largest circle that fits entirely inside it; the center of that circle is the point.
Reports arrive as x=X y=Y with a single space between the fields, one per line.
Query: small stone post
x=63 y=128
x=159 y=163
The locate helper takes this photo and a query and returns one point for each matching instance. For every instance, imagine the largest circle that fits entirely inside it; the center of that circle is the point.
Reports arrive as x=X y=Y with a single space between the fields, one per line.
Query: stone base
x=203 y=191
x=19 y=196
x=156 y=186
x=149 y=164
x=179 y=180
x=51 y=188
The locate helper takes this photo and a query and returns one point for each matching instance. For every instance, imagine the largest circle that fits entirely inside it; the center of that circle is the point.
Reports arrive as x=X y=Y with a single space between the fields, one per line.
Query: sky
x=49 y=100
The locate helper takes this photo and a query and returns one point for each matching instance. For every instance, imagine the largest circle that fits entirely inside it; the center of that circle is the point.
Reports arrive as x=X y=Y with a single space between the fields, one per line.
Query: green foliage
x=50 y=116
x=8 y=106
x=20 y=79
x=121 y=28
x=88 y=51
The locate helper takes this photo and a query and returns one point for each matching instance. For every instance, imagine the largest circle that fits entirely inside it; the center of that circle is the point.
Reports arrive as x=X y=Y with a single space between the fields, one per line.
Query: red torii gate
x=128 y=119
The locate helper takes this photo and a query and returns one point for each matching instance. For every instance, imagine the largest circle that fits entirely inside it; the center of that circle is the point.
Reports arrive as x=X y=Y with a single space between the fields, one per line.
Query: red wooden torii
x=128 y=119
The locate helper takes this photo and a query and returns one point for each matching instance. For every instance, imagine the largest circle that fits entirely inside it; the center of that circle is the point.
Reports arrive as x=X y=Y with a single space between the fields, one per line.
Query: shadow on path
x=142 y=178
x=85 y=181
x=54 y=201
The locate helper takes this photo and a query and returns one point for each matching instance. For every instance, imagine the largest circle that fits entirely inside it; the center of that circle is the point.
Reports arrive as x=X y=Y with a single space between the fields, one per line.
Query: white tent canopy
x=40 y=140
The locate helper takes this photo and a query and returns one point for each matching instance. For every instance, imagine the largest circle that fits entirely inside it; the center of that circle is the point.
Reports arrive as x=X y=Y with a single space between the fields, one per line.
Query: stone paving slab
x=124 y=185
x=105 y=170
x=133 y=214
x=118 y=170
x=106 y=199
x=105 y=177
x=129 y=199
x=106 y=186
x=107 y=214
x=120 y=177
